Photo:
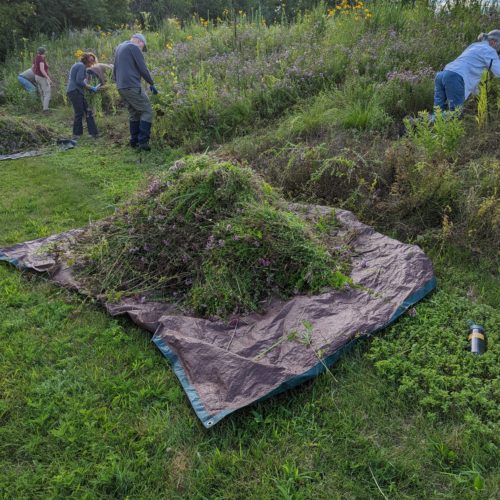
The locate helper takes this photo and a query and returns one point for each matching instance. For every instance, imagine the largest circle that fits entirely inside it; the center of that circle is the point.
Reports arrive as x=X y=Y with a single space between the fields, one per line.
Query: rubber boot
x=144 y=134
x=134 y=133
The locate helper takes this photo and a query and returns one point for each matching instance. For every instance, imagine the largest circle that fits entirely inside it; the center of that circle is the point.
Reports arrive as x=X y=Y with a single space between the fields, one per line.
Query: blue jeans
x=449 y=90
x=26 y=84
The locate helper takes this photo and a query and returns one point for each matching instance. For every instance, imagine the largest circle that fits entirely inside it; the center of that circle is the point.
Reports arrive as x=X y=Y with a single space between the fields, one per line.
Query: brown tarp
x=223 y=367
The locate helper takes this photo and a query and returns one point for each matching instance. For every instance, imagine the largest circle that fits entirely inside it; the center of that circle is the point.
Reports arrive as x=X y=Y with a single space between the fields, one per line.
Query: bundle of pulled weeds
x=212 y=237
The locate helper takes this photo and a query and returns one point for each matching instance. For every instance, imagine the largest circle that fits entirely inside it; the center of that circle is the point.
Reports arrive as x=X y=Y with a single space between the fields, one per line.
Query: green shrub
x=479 y=205
x=439 y=136
x=358 y=105
x=420 y=193
x=401 y=98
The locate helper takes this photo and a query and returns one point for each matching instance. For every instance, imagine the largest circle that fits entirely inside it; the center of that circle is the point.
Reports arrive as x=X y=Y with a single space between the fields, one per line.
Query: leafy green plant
x=482 y=101
x=358 y=105
x=438 y=134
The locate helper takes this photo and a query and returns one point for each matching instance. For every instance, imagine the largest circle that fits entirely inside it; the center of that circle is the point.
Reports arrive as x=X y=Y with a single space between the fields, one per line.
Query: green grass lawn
x=90 y=408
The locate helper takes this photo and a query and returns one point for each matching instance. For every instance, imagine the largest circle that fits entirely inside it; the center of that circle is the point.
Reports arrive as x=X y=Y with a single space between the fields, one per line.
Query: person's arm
x=141 y=66
x=495 y=67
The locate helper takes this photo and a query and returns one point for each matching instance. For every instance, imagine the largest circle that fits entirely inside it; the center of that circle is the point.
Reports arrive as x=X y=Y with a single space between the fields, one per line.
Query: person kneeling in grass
x=461 y=77
x=77 y=84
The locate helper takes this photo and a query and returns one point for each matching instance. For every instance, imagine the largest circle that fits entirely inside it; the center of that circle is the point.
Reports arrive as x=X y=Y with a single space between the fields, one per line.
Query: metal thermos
x=477 y=339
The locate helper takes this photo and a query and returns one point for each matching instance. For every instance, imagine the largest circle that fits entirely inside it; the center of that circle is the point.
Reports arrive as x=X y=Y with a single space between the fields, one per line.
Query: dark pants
x=81 y=109
x=140 y=114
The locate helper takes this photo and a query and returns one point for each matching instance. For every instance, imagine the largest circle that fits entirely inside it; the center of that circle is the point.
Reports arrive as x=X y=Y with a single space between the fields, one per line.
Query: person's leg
x=439 y=92
x=134 y=115
x=44 y=87
x=48 y=95
x=146 y=121
x=134 y=132
x=455 y=89
x=39 y=84
x=77 y=99
x=89 y=115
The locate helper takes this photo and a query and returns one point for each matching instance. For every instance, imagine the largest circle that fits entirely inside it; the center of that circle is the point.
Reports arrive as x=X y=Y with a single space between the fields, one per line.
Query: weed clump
x=210 y=236
x=20 y=133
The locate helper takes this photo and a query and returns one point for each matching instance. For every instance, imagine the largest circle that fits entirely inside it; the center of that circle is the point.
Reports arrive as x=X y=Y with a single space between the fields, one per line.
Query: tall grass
x=219 y=78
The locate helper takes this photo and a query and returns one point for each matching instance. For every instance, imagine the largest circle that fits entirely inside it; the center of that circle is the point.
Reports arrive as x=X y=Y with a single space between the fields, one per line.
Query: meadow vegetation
x=317 y=108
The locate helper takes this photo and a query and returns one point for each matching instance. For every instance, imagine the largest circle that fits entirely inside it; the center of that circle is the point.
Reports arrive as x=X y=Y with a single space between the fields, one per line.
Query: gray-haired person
x=129 y=67
x=461 y=77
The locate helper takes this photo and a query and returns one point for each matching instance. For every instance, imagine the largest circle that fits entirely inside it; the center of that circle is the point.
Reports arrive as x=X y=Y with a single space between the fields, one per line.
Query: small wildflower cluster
x=411 y=76
x=350 y=7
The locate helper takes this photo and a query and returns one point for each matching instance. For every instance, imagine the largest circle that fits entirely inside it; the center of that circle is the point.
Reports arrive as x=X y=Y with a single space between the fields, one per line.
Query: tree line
x=28 y=18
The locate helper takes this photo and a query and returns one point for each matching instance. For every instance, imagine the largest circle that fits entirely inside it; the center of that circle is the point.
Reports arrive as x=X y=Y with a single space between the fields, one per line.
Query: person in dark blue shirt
x=77 y=84
x=129 y=67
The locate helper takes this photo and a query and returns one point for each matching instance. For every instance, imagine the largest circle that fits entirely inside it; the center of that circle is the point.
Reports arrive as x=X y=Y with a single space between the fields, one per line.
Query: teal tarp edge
x=14 y=262
x=210 y=420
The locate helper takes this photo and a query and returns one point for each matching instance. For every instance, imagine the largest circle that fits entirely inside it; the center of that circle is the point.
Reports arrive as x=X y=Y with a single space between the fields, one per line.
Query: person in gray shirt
x=129 y=67
x=77 y=84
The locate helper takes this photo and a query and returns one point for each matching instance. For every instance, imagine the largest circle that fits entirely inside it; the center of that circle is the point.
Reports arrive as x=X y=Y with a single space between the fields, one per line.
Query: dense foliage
x=23 y=19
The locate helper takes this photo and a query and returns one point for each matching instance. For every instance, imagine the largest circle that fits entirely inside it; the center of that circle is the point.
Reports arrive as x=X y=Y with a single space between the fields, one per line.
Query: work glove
x=153 y=89
x=93 y=89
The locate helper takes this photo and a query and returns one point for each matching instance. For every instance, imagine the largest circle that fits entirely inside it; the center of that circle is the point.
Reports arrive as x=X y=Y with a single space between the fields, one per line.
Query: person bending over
x=27 y=80
x=461 y=77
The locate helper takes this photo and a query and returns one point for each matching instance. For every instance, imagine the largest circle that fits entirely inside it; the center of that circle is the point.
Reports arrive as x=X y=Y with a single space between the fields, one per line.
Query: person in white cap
x=129 y=67
x=461 y=77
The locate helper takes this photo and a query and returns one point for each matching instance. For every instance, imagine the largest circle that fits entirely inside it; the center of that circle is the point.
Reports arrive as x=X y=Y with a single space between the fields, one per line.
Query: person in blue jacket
x=460 y=78
x=129 y=67
x=75 y=90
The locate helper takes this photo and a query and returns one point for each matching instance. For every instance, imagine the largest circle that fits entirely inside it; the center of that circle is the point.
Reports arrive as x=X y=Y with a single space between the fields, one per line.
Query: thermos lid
x=479 y=328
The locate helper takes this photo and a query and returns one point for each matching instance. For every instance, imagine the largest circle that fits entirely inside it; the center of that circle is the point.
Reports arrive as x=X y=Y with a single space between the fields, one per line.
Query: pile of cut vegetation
x=17 y=134
x=212 y=237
